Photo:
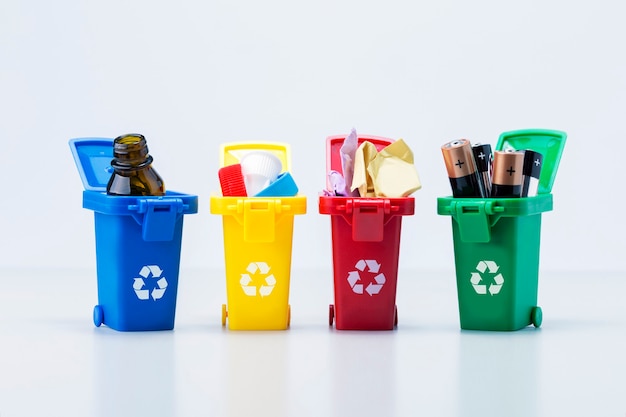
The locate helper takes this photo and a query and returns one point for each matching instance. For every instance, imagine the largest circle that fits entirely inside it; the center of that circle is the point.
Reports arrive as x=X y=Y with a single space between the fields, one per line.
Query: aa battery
x=484 y=163
x=507 y=174
x=531 y=172
x=461 y=167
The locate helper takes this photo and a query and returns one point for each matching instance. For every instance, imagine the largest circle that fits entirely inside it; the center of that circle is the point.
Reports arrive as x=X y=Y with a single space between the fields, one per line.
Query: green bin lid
x=549 y=143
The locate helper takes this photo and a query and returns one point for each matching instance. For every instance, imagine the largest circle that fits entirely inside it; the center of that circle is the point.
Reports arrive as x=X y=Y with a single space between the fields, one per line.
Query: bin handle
x=157 y=217
x=475 y=218
x=143 y=205
x=492 y=208
x=351 y=204
x=238 y=207
x=368 y=218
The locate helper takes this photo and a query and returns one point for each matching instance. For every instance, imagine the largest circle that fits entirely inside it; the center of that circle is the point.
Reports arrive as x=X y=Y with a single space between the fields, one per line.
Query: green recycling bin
x=496 y=243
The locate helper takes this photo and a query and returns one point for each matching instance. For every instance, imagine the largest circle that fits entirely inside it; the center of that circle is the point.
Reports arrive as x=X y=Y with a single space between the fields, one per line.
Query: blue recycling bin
x=138 y=245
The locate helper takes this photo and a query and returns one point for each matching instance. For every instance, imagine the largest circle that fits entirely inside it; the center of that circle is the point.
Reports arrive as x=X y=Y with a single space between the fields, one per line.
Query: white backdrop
x=190 y=75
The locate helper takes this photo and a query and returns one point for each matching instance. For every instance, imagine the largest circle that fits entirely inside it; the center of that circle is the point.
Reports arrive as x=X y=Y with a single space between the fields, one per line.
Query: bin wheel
x=536 y=316
x=224 y=314
x=395 y=318
x=331 y=314
x=98 y=316
x=288 y=315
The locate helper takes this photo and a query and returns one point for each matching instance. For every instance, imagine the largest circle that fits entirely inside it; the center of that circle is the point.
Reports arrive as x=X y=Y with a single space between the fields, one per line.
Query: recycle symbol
x=355 y=276
x=477 y=278
x=147 y=271
x=246 y=280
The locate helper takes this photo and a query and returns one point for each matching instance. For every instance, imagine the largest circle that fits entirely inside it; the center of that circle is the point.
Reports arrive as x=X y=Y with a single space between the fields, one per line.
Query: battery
x=484 y=164
x=461 y=167
x=507 y=174
x=531 y=172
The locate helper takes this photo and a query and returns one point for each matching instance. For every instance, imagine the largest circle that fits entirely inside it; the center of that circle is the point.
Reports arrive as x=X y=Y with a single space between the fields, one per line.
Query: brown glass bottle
x=132 y=168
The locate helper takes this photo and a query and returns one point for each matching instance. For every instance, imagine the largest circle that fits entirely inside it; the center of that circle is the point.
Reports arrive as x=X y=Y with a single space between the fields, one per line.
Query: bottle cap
x=231 y=181
x=284 y=186
x=259 y=170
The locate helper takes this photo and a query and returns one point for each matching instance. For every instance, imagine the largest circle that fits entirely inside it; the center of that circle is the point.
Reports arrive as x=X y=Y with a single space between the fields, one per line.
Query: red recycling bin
x=366 y=246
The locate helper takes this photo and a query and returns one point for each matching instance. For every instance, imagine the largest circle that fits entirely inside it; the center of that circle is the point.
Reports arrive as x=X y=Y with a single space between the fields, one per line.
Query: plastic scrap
x=348 y=154
x=337 y=183
x=284 y=186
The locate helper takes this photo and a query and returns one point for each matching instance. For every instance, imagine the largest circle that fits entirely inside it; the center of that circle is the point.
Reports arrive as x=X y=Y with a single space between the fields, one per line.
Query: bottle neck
x=130 y=153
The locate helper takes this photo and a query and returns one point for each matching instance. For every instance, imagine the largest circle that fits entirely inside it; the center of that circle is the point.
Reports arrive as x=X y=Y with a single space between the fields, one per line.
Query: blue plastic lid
x=284 y=186
x=93 y=159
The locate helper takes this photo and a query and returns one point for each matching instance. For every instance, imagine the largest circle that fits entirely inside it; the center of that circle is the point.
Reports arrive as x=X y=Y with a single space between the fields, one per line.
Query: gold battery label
x=508 y=167
x=458 y=157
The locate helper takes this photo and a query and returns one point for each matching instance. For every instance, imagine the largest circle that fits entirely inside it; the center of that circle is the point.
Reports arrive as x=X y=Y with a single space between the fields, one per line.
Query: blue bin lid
x=93 y=158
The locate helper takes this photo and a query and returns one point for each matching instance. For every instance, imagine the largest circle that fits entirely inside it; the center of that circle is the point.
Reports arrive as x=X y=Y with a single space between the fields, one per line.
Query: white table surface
x=54 y=362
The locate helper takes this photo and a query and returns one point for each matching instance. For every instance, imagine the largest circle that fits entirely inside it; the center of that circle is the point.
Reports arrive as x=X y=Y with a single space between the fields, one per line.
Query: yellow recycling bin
x=258 y=235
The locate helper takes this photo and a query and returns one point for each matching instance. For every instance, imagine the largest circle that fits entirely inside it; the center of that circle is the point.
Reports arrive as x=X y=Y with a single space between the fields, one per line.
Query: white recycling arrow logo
x=257 y=269
x=154 y=272
x=373 y=267
x=477 y=278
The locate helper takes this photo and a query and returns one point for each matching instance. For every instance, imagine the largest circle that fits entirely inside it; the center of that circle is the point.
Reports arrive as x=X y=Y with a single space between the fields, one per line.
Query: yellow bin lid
x=231 y=153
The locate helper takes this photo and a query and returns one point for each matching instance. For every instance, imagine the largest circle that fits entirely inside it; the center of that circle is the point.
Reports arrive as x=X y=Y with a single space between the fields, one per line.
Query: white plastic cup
x=259 y=170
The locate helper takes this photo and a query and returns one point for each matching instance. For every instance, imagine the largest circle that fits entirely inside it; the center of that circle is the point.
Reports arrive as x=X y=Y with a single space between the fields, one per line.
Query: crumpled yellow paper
x=388 y=173
x=361 y=179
